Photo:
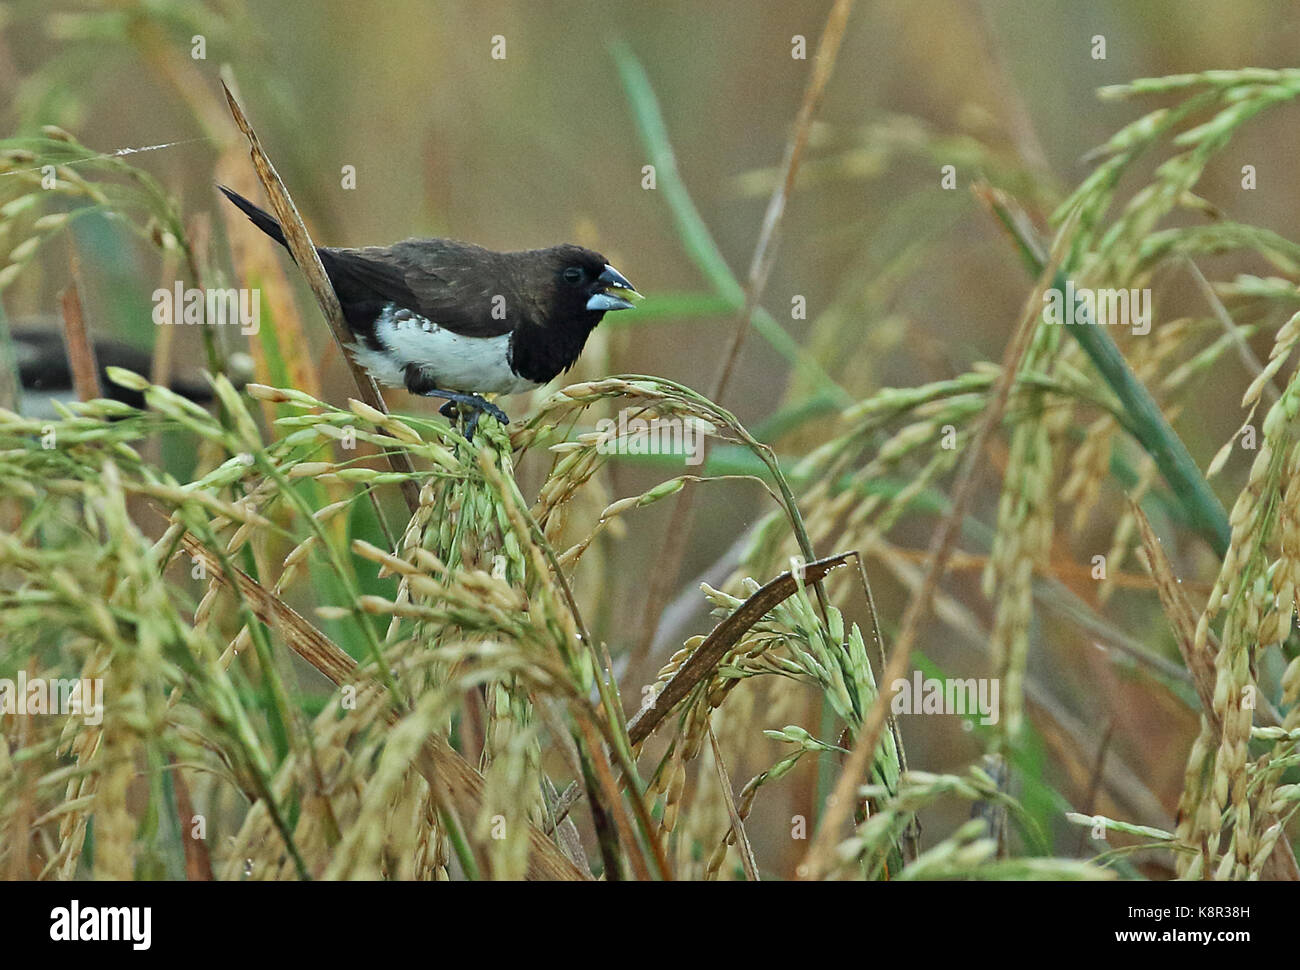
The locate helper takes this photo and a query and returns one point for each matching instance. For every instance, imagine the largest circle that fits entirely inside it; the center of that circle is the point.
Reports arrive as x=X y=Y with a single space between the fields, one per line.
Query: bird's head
x=582 y=286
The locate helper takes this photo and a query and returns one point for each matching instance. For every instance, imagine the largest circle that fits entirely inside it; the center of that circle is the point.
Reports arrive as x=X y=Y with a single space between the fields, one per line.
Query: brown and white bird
x=452 y=320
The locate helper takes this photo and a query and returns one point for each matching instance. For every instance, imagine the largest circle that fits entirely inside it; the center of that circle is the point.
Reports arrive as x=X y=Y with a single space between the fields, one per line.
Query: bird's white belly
x=479 y=365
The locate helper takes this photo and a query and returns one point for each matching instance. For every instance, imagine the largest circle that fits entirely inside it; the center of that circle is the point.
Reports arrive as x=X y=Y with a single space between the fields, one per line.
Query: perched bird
x=451 y=320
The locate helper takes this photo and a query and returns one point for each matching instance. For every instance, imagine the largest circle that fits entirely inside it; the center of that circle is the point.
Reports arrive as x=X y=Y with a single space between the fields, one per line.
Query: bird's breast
x=452 y=361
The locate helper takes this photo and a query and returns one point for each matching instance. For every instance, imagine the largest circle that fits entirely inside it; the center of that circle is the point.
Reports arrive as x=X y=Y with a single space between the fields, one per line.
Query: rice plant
x=294 y=635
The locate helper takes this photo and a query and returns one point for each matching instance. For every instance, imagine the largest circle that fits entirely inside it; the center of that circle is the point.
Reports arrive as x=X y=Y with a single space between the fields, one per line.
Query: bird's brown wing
x=454 y=285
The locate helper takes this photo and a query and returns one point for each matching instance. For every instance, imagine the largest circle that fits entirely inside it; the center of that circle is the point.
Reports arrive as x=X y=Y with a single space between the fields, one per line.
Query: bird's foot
x=458 y=405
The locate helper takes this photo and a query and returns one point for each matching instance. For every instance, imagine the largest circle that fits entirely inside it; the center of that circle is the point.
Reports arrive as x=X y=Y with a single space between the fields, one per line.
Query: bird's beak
x=608 y=301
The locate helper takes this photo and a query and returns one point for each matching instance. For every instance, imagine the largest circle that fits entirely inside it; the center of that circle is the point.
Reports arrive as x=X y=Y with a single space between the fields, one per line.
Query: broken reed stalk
x=706 y=657
x=725 y=635
x=304 y=254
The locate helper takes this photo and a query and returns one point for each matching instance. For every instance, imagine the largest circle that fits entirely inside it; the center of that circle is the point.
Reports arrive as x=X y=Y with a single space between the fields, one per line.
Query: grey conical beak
x=607 y=301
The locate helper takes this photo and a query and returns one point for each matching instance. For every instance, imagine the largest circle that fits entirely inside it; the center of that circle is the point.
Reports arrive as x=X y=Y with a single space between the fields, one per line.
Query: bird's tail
x=258 y=217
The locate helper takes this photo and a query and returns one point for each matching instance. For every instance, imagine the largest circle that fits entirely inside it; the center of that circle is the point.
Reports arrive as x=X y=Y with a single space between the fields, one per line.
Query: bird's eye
x=573 y=274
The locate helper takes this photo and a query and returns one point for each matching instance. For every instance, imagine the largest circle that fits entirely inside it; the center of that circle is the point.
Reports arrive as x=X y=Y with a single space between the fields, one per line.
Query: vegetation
x=339 y=643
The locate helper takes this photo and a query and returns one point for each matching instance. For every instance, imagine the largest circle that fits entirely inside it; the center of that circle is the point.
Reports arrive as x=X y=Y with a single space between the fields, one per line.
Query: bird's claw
x=476 y=407
x=489 y=408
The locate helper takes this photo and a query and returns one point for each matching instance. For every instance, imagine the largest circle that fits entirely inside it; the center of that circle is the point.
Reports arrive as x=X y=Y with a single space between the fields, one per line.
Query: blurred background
x=905 y=282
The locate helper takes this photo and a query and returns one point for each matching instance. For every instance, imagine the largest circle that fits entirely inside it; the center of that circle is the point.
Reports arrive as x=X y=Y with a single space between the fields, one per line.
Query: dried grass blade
x=725 y=636
x=737 y=824
x=81 y=354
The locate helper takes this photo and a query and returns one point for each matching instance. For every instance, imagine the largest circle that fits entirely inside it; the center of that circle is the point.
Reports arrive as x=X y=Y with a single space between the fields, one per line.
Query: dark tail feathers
x=258 y=217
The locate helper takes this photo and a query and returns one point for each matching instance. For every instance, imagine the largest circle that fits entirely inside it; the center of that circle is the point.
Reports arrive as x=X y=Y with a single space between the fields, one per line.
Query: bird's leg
x=459 y=404
x=418 y=382
x=452 y=412
x=471 y=425
x=470 y=401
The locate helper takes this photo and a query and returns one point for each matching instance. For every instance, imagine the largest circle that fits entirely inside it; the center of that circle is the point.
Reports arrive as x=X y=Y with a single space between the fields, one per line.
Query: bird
x=455 y=321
